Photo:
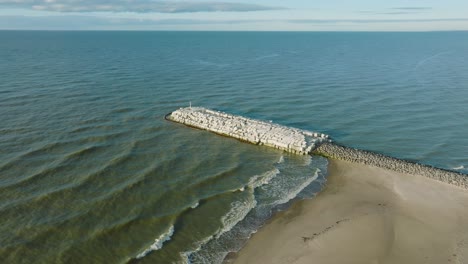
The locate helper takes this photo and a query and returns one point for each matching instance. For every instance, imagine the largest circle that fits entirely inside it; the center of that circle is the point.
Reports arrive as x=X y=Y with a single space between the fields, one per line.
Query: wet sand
x=368 y=215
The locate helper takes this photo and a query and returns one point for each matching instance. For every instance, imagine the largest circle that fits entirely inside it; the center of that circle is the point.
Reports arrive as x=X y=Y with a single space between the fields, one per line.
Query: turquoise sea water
x=90 y=172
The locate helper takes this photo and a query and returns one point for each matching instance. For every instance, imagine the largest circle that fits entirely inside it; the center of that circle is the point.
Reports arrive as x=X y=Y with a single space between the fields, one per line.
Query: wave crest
x=158 y=242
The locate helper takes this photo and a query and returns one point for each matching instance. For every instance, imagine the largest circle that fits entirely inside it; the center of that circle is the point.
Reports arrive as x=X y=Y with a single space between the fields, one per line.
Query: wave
x=269 y=192
x=269 y=56
x=293 y=193
x=60 y=154
x=86 y=128
x=158 y=242
x=238 y=211
x=32 y=153
x=77 y=184
x=195 y=205
x=210 y=63
x=429 y=58
x=199 y=182
x=461 y=167
x=54 y=167
x=262 y=179
x=281 y=160
x=186 y=254
x=123 y=110
x=85 y=151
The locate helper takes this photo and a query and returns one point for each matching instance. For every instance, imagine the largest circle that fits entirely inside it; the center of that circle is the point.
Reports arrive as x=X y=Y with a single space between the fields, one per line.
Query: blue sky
x=291 y=15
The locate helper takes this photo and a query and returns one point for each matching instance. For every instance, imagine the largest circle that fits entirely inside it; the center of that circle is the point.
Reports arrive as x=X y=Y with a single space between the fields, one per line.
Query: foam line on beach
x=294 y=193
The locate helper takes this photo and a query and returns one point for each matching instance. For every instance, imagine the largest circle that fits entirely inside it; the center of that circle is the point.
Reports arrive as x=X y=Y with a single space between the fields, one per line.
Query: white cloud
x=139 y=6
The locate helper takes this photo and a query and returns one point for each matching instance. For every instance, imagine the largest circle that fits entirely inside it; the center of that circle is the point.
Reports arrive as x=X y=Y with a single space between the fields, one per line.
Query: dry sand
x=368 y=215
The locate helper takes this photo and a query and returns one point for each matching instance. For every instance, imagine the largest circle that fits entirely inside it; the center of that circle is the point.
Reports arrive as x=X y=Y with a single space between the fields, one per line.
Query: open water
x=90 y=172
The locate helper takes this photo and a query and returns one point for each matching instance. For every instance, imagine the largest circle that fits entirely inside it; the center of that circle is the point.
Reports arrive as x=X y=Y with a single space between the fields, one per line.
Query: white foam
x=239 y=210
x=247 y=215
x=195 y=205
x=265 y=178
x=273 y=55
x=461 y=167
x=434 y=56
x=186 y=255
x=210 y=63
x=281 y=160
x=292 y=194
x=158 y=242
x=307 y=160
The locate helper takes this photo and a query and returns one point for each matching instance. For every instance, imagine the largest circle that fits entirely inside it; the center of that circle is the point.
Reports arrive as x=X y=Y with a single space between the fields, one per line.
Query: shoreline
x=374 y=209
x=339 y=152
x=367 y=214
x=302 y=142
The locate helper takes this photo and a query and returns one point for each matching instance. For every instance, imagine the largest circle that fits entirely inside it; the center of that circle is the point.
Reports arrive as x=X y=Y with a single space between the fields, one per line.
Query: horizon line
x=253 y=31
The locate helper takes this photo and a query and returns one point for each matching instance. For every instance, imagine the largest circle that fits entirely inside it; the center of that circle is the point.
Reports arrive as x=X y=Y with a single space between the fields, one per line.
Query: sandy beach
x=368 y=215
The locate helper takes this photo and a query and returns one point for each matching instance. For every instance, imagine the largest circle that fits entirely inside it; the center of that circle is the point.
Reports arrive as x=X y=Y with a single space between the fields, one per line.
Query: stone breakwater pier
x=335 y=151
x=303 y=142
x=253 y=131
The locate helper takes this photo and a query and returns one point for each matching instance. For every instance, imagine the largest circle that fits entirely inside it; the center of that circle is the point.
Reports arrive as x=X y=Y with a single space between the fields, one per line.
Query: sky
x=235 y=15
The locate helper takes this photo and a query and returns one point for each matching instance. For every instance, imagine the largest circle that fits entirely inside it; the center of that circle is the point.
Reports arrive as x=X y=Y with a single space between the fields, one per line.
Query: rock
x=335 y=151
x=254 y=131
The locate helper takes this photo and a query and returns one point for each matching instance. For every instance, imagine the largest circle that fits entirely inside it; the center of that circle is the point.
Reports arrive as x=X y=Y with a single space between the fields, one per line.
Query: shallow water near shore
x=91 y=171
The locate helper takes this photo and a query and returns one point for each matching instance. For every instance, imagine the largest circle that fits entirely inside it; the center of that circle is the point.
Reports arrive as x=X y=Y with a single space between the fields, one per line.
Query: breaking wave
x=292 y=193
x=274 y=188
x=259 y=180
x=158 y=242
x=239 y=210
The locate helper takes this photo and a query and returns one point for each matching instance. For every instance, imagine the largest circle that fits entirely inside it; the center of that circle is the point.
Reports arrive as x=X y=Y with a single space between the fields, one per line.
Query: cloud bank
x=413 y=8
x=82 y=22
x=138 y=6
x=370 y=21
x=402 y=10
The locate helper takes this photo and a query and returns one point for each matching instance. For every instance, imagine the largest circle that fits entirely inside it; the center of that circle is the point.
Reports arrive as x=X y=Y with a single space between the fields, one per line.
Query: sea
x=91 y=172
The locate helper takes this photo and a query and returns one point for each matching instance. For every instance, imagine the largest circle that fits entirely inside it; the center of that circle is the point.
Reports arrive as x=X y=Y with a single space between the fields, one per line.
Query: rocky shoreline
x=303 y=142
x=335 y=151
